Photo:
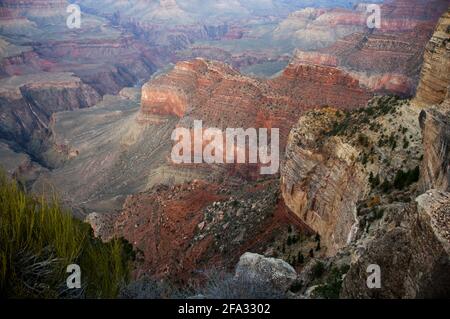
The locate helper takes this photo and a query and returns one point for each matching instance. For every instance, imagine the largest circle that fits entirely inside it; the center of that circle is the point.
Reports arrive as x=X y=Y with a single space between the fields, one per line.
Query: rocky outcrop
x=299 y=81
x=384 y=61
x=332 y=159
x=313 y=57
x=19 y=165
x=312 y=29
x=31 y=100
x=435 y=171
x=66 y=71
x=433 y=95
x=412 y=242
x=106 y=155
x=321 y=182
x=269 y=271
x=434 y=86
x=201 y=89
x=389 y=59
x=412 y=250
x=418 y=10
x=194 y=226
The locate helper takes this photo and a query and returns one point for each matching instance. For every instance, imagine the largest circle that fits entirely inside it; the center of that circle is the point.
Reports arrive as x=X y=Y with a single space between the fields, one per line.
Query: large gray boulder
x=276 y=272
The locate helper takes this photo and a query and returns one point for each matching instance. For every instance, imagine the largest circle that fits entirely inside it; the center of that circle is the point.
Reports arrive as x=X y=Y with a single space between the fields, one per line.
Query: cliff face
x=31 y=100
x=412 y=248
x=312 y=29
x=433 y=95
x=388 y=60
x=331 y=161
x=181 y=229
x=433 y=88
x=314 y=196
x=321 y=182
x=412 y=242
x=200 y=89
x=435 y=170
x=45 y=67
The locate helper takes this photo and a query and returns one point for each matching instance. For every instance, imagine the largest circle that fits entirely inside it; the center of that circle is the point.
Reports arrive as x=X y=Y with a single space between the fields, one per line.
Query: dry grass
x=39 y=240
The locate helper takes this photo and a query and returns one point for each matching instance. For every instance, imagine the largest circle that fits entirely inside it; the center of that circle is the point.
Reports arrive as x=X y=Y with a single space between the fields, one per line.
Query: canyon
x=336 y=180
x=88 y=114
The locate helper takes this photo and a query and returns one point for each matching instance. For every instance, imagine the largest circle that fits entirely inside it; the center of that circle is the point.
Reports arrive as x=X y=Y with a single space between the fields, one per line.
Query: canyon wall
x=412 y=242
x=201 y=89
x=433 y=96
x=31 y=100
x=45 y=68
x=321 y=182
x=433 y=88
x=435 y=170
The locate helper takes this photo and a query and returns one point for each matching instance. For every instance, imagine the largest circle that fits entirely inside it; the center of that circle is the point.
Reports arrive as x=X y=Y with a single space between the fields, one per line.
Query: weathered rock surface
x=435 y=171
x=312 y=29
x=184 y=229
x=434 y=87
x=411 y=243
x=412 y=249
x=321 y=182
x=46 y=67
x=202 y=89
x=389 y=59
x=106 y=154
x=31 y=100
x=433 y=96
x=330 y=157
x=275 y=272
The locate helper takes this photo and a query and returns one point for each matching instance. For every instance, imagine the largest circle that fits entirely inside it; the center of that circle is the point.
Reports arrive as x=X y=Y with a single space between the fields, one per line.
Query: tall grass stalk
x=38 y=240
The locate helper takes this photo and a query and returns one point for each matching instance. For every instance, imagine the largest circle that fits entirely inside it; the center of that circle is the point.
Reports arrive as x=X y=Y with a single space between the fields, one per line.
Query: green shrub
x=404 y=179
x=300 y=258
x=318 y=269
x=332 y=287
x=374 y=181
x=39 y=240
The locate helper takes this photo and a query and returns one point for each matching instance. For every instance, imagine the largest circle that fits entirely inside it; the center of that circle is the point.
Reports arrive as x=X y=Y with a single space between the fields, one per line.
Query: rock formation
x=330 y=156
x=412 y=249
x=32 y=99
x=201 y=89
x=389 y=59
x=433 y=95
x=411 y=245
x=42 y=74
x=321 y=182
x=435 y=171
x=183 y=229
x=433 y=88
x=269 y=271
x=350 y=163
x=401 y=222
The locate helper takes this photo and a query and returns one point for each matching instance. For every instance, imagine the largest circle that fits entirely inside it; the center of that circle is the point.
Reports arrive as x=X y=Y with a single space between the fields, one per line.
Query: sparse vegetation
x=374 y=180
x=227 y=286
x=404 y=179
x=351 y=122
x=318 y=269
x=331 y=289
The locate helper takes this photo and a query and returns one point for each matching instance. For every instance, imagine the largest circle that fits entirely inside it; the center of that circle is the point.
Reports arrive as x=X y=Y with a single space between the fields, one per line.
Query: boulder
x=272 y=271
